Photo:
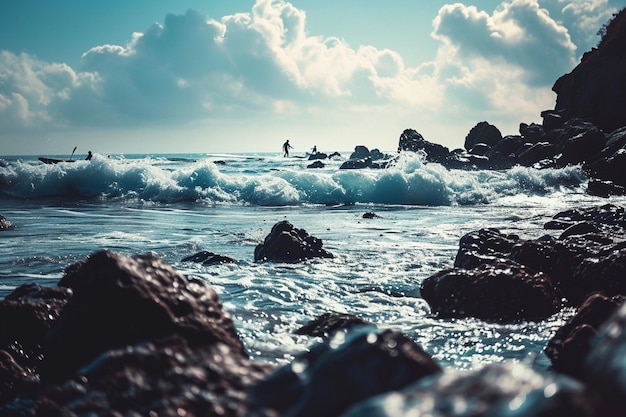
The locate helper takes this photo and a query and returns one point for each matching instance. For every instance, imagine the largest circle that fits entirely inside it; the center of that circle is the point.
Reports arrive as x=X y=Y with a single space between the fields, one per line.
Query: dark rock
x=120 y=301
x=496 y=390
x=329 y=323
x=571 y=344
x=581 y=228
x=604 y=273
x=532 y=133
x=502 y=291
x=334 y=154
x=208 y=258
x=410 y=140
x=286 y=243
x=608 y=217
x=609 y=163
x=596 y=88
x=552 y=120
x=377 y=155
x=537 y=254
x=605 y=367
x=166 y=377
x=317 y=155
x=480 y=149
x=5 y=223
x=316 y=164
x=579 y=141
x=343 y=371
x=357 y=163
x=371 y=215
x=360 y=152
x=605 y=189
x=536 y=153
x=26 y=316
x=483 y=246
x=483 y=132
x=15 y=379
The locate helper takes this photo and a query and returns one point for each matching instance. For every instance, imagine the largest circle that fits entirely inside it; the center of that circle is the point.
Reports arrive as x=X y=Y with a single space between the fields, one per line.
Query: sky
x=179 y=76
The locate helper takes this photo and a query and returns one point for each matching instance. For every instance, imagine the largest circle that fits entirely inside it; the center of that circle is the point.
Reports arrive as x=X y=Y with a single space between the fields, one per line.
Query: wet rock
x=317 y=155
x=15 y=379
x=360 y=152
x=166 y=377
x=571 y=344
x=411 y=140
x=208 y=258
x=5 y=223
x=357 y=163
x=329 y=323
x=120 y=301
x=371 y=215
x=604 y=273
x=609 y=163
x=579 y=141
x=495 y=390
x=343 y=371
x=483 y=246
x=605 y=188
x=286 y=243
x=605 y=367
x=26 y=316
x=316 y=164
x=502 y=291
x=483 y=132
x=536 y=153
x=608 y=217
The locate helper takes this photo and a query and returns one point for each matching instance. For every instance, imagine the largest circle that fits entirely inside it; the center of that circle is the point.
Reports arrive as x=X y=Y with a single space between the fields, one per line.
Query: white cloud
x=498 y=64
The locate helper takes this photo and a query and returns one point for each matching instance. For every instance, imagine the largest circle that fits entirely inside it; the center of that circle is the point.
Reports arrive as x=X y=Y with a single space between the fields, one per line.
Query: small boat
x=46 y=160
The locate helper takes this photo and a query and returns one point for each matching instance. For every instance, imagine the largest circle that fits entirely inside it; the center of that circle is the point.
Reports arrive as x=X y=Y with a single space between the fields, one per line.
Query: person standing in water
x=89 y=156
x=286 y=147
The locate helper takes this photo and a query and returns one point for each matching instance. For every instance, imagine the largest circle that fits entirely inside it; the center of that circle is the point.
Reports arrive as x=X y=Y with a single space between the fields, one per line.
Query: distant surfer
x=89 y=156
x=286 y=147
x=314 y=150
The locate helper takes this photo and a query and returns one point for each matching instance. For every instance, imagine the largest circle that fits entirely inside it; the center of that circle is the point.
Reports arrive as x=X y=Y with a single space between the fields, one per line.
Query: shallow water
x=177 y=205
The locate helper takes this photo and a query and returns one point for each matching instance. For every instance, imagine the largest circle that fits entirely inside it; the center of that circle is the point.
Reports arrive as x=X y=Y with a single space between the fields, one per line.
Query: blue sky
x=234 y=76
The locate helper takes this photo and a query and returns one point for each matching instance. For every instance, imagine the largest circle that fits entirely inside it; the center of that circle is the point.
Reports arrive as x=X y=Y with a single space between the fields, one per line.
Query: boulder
x=360 y=152
x=286 y=243
x=317 y=155
x=506 y=389
x=483 y=132
x=605 y=366
x=316 y=164
x=532 y=133
x=410 y=140
x=579 y=141
x=208 y=258
x=536 y=153
x=480 y=149
x=164 y=377
x=357 y=163
x=571 y=344
x=483 y=246
x=609 y=163
x=343 y=371
x=120 y=301
x=502 y=291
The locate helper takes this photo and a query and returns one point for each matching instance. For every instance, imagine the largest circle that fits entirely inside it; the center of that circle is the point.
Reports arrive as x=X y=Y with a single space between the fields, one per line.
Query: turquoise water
x=177 y=205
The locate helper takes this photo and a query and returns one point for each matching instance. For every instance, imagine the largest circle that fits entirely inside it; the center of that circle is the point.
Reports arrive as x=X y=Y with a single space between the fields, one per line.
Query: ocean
x=177 y=205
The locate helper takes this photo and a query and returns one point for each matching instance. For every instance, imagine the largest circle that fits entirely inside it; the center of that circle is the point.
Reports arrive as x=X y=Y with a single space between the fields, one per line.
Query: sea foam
x=274 y=182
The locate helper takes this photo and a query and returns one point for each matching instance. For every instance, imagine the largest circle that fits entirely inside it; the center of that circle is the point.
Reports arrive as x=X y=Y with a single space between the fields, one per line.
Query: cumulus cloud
x=264 y=62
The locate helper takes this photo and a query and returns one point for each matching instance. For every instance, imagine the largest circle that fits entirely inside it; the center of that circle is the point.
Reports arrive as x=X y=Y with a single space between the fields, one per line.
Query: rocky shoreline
x=132 y=336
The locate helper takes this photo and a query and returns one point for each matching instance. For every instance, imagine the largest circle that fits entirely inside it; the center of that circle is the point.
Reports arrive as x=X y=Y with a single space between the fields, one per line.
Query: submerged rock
x=329 y=323
x=286 y=243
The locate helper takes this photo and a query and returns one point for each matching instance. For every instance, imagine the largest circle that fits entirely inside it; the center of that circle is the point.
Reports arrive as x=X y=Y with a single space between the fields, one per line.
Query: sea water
x=177 y=205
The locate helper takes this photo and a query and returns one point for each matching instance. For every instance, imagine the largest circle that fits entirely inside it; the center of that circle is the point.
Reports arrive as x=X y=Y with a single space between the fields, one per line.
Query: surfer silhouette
x=89 y=156
x=314 y=150
x=286 y=147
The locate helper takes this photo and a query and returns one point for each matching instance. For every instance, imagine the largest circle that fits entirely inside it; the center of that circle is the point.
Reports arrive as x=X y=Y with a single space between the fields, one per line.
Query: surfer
x=89 y=156
x=314 y=150
x=286 y=147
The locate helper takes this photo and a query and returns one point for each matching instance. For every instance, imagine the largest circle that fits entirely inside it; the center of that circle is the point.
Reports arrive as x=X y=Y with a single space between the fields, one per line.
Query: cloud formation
x=500 y=63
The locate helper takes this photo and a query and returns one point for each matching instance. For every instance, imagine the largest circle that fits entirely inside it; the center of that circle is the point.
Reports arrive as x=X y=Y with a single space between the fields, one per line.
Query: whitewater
x=177 y=205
